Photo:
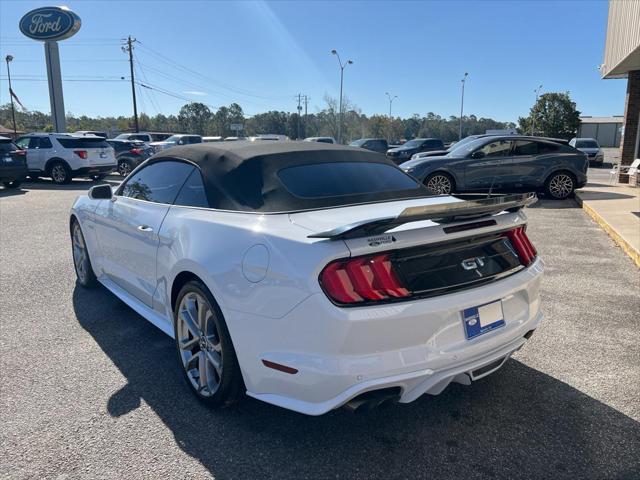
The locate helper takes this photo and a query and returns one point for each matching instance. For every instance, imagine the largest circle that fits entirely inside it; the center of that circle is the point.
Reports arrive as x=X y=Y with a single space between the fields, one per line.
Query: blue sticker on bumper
x=482 y=319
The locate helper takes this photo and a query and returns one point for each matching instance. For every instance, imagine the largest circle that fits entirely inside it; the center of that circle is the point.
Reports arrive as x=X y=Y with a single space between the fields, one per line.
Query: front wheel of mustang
x=439 y=183
x=205 y=352
x=81 y=260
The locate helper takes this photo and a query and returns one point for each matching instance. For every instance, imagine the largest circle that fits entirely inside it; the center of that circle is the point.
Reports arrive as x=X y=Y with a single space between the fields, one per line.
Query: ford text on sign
x=50 y=23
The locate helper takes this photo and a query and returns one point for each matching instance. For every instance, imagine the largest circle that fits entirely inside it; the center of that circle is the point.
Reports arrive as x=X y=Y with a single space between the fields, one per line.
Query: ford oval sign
x=50 y=23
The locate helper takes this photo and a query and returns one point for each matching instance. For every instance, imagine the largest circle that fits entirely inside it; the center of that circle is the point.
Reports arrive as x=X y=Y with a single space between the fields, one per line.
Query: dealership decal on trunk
x=380 y=240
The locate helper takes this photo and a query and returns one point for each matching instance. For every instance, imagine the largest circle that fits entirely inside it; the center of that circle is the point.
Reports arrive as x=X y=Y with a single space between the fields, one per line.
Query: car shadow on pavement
x=12 y=192
x=516 y=423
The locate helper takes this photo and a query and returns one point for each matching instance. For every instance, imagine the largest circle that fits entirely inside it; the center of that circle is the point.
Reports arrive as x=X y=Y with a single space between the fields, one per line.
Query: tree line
x=554 y=115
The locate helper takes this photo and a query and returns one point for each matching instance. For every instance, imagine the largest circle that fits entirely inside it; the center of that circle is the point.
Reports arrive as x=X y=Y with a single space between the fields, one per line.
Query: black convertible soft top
x=243 y=176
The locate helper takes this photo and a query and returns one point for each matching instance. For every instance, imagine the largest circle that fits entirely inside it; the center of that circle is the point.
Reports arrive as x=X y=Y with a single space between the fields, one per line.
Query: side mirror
x=477 y=154
x=100 y=192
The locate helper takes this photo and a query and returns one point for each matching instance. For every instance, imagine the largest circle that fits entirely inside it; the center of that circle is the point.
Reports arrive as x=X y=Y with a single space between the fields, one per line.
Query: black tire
x=560 y=185
x=229 y=386
x=59 y=172
x=12 y=184
x=439 y=183
x=125 y=167
x=85 y=276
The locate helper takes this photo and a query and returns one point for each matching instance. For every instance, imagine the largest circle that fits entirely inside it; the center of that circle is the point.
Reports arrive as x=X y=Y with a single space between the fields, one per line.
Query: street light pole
x=342 y=67
x=9 y=58
x=391 y=99
x=533 y=116
x=462 y=105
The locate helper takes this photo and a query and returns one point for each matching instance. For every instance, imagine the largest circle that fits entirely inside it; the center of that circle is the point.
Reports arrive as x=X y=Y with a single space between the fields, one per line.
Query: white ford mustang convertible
x=312 y=276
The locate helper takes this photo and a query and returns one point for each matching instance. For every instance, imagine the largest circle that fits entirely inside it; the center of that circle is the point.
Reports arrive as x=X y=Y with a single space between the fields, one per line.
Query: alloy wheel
x=80 y=257
x=58 y=173
x=124 y=168
x=199 y=344
x=439 y=184
x=561 y=186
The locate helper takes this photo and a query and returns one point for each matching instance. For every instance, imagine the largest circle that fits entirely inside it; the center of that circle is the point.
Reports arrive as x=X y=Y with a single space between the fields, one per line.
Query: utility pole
x=306 y=102
x=533 y=116
x=299 y=112
x=462 y=105
x=129 y=48
x=9 y=58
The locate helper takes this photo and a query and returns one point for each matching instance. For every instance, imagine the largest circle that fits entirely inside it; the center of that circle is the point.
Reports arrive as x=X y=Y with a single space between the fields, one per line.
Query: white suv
x=62 y=156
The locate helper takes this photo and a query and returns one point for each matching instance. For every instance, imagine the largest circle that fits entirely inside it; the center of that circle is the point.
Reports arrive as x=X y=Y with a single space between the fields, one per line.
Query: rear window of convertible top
x=336 y=179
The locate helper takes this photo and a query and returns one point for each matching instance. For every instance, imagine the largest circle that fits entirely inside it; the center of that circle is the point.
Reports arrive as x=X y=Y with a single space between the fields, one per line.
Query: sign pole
x=54 y=78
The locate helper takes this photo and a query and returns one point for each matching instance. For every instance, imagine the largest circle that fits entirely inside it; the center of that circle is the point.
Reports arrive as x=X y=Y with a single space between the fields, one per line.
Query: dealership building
x=622 y=60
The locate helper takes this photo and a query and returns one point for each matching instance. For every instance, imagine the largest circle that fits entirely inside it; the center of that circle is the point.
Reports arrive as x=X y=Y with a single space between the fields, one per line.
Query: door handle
x=145 y=228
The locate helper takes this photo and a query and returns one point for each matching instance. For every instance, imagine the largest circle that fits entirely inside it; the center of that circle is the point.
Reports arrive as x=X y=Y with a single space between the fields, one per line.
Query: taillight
x=81 y=153
x=523 y=246
x=362 y=279
x=136 y=151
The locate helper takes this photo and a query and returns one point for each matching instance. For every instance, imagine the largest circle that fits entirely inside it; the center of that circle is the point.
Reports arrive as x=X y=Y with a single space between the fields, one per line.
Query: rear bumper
x=419 y=346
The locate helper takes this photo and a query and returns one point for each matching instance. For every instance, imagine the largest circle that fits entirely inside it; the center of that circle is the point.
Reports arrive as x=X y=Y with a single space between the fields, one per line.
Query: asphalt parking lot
x=89 y=389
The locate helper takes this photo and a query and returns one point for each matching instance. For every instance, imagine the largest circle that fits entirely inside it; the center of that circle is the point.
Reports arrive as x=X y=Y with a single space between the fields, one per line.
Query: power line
x=64 y=80
x=88 y=60
x=80 y=78
x=177 y=65
x=174 y=78
x=171 y=94
x=82 y=40
x=191 y=84
x=149 y=93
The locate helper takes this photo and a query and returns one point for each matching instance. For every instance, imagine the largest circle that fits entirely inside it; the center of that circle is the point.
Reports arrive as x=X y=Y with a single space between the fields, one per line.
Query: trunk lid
x=406 y=223
x=435 y=245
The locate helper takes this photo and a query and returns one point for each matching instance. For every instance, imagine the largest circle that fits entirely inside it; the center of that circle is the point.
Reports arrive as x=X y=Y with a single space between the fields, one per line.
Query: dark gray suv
x=504 y=164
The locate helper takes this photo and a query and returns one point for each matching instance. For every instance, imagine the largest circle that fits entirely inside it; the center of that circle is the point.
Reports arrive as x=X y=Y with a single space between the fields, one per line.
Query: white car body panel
x=263 y=270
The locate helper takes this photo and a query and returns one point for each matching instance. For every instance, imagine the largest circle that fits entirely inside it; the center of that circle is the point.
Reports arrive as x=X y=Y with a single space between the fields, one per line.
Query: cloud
x=195 y=92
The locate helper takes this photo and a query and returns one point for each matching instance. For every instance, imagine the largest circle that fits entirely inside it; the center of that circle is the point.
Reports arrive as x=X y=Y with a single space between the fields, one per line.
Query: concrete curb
x=626 y=247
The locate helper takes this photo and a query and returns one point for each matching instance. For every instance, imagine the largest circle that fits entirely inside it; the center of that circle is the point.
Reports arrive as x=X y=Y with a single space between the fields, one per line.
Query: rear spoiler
x=475 y=207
